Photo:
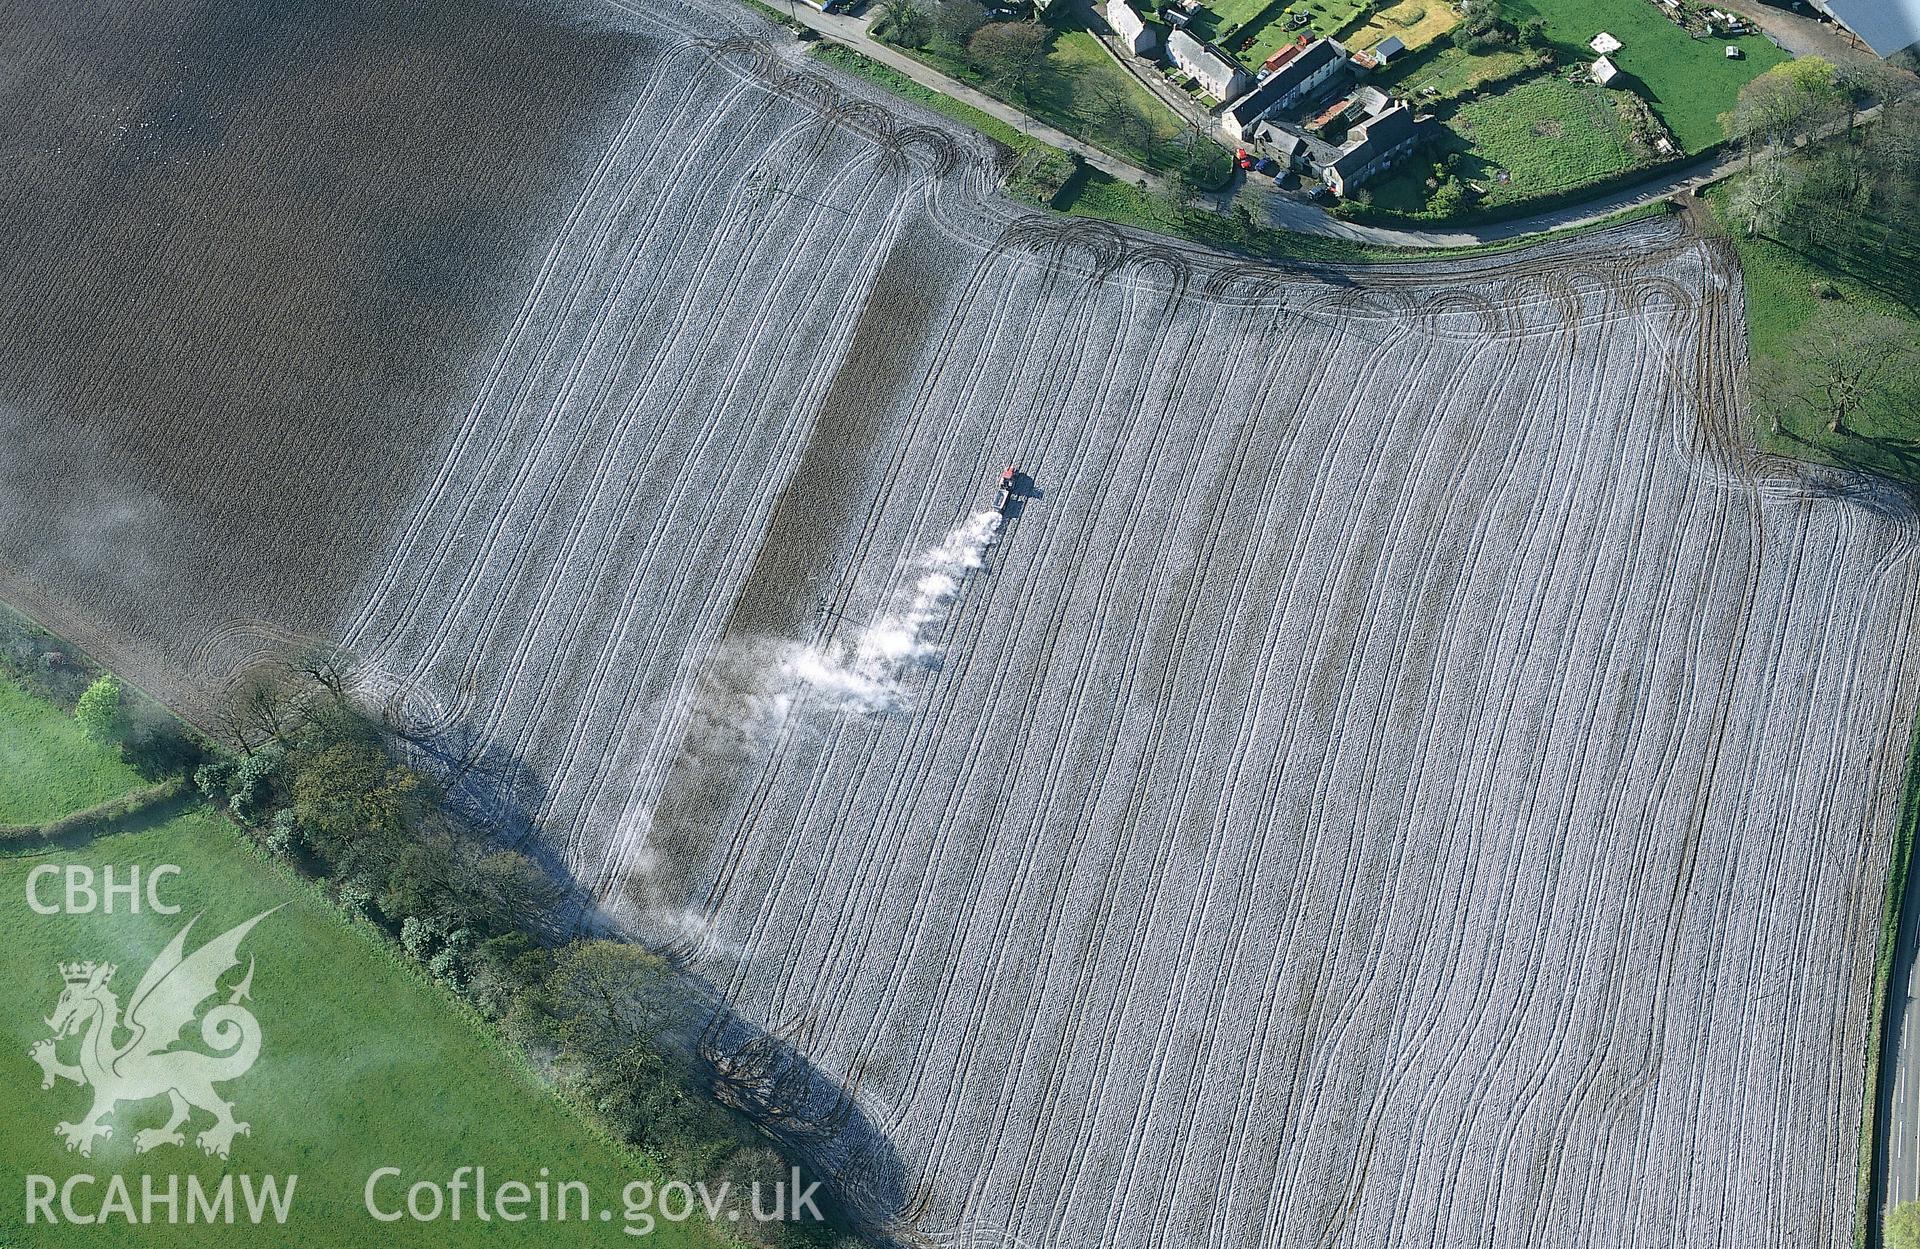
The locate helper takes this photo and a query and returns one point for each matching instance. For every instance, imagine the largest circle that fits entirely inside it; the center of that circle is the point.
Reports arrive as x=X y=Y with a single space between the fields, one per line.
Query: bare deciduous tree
x=1012 y=54
x=957 y=20
x=1789 y=101
x=1867 y=81
x=1851 y=361
x=1109 y=108
x=1766 y=197
x=327 y=667
x=258 y=709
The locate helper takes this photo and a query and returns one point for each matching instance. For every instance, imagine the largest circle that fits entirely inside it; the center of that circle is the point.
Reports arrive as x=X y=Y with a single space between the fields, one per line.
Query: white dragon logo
x=142 y=1067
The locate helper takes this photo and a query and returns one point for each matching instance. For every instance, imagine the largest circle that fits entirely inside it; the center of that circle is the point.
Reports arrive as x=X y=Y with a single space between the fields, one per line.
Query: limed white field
x=1406 y=779
x=1404 y=775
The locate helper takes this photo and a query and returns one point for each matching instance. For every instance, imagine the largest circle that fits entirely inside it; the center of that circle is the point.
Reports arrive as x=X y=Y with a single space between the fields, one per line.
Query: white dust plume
x=867 y=676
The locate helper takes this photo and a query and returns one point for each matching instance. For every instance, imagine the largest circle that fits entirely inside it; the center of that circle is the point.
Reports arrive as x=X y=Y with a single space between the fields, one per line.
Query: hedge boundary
x=92 y=821
x=1569 y=197
x=1866 y=1233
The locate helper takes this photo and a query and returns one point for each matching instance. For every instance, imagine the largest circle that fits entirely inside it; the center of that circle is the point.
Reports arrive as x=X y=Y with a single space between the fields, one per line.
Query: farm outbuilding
x=1282 y=144
x=1886 y=26
x=1283 y=55
x=1373 y=146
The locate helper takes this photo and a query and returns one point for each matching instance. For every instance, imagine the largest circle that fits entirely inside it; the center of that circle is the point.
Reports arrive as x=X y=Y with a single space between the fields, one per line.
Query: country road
x=1269 y=205
x=1287 y=212
x=1278 y=209
x=852 y=31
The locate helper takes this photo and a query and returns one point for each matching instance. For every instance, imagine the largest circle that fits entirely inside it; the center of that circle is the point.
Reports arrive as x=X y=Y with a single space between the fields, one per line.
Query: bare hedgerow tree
x=258 y=708
x=1766 y=198
x=1850 y=361
x=1775 y=388
x=956 y=21
x=324 y=666
x=1111 y=109
x=1012 y=54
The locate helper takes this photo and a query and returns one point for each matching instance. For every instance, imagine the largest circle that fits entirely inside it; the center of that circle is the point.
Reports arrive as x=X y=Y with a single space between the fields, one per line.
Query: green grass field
x=1689 y=81
x=1328 y=18
x=364 y=1063
x=1078 y=74
x=1545 y=133
x=1781 y=301
x=47 y=766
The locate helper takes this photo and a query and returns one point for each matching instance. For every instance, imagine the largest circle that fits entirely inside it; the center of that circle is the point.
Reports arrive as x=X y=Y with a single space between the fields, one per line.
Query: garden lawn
x=364 y=1064
x=1689 y=81
x=1548 y=134
x=1330 y=17
x=1436 y=75
x=1416 y=22
x=1405 y=189
x=1254 y=30
x=48 y=767
x=1781 y=302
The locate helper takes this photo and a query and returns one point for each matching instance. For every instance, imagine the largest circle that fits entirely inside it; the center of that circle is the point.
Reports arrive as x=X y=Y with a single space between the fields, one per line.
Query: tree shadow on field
x=810 y=1115
x=812 y=1118
x=1883 y=473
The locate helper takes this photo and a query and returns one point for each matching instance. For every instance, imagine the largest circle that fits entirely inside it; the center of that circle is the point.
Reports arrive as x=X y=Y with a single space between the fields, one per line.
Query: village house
x=1132 y=29
x=1297 y=76
x=1218 y=74
x=1373 y=147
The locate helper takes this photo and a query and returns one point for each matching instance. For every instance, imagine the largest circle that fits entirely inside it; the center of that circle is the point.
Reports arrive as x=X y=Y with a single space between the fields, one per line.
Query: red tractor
x=1006 y=489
